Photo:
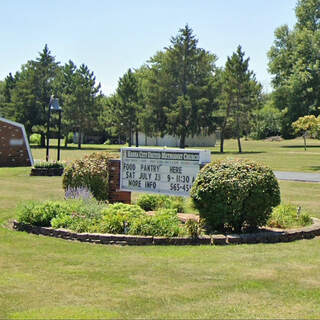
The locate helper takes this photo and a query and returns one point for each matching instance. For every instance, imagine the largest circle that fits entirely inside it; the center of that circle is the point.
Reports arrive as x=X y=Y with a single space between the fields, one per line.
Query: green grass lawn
x=286 y=155
x=43 y=277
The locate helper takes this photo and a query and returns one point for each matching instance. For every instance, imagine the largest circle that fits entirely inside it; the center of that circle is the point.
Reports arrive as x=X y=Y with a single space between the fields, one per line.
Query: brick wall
x=13 y=148
x=114 y=184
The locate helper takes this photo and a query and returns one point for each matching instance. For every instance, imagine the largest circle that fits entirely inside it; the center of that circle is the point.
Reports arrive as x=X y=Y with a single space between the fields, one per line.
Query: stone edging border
x=265 y=236
x=46 y=172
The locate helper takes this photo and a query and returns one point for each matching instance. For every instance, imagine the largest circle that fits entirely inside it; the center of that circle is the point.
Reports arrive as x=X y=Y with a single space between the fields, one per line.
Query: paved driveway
x=298 y=176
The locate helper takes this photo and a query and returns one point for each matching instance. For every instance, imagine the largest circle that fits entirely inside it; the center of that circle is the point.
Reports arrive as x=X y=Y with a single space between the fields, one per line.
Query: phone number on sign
x=180 y=187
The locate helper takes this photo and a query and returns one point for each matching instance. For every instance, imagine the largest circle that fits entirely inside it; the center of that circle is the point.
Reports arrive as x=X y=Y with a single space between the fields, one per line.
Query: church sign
x=168 y=171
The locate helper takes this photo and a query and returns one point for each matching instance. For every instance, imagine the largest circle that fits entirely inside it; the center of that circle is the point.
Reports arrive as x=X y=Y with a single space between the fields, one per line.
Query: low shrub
x=94 y=216
x=118 y=217
x=235 y=194
x=287 y=216
x=70 y=137
x=49 y=164
x=35 y=138
x=194 y=228
x=152 y=202
x=41 y=213
x=80 y=216
x=164 y=222
x=91 y=172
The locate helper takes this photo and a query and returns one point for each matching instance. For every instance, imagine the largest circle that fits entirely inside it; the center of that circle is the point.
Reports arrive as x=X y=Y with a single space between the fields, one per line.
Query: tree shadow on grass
x=237 y=153
x=301 y=147
x=76 y=148
x=313 y=168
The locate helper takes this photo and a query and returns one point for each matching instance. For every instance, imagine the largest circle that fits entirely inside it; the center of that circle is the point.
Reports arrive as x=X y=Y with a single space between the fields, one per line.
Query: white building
x=173 y=141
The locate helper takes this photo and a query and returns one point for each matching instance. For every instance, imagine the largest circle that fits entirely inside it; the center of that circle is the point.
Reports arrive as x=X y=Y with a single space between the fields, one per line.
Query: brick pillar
x=114 y=184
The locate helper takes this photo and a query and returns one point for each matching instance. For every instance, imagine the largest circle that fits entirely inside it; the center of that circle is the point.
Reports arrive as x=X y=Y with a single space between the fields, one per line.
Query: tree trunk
x=137 y=138
x=42 y=140
x=129 y=138
x=182 y=140
x=221 y=140
x=239 y=144
x=79 y=138
x=66 y=141
x=305 y=141
x=238 y=134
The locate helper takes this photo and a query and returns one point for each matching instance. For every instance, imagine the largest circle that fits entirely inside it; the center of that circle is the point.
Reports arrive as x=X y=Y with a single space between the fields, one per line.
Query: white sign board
x=168 y=171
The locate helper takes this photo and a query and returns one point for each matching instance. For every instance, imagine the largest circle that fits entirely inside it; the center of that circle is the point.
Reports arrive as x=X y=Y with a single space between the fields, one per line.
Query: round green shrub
x=235 y=194
x=92 y=172
x=35 y=138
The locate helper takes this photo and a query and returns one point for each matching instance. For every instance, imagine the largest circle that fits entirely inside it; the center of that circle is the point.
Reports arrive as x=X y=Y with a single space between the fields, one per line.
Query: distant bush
x=91 y=172
x=35 y=138
x=152 y=202
x=267 y=122
x=287 y=216
x=70 y=137
x=235 y=194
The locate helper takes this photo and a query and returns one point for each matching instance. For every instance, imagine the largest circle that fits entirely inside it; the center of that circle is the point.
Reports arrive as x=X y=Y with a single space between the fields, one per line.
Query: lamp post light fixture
x=53 y=106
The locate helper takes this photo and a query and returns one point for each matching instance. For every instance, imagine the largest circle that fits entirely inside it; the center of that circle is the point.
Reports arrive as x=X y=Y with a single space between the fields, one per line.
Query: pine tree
x=180 y=88
x=83 y=101
x=240 y=94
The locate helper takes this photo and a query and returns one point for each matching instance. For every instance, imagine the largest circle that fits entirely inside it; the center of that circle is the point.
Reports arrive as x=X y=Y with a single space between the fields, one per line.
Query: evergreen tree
x=29 y=92
x=124 y=106
x=82 y=103
x=240 y=94
x=180 y=87
x=64 y=86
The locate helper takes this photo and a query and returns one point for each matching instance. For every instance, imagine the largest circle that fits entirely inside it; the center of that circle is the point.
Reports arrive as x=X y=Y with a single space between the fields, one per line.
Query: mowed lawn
x=286 y=155
x=43 y=277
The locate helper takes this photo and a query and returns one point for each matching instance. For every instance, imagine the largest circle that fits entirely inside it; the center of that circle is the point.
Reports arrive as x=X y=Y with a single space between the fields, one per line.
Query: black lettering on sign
x=134 y=183
x=150 y=185
x=175 y=169
x=129 y=166
x=145 y=176
x=130 y=174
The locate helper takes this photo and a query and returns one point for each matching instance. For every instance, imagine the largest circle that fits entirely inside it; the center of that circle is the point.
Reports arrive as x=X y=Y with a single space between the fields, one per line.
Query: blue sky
x=113 y=36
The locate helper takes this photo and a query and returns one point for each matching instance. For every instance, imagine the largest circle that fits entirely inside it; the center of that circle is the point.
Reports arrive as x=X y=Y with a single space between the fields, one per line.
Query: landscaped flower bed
x=98 y=222
x=264 y=236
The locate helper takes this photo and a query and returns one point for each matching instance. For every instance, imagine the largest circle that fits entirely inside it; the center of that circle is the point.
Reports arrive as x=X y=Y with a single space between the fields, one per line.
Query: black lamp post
x=53 y=106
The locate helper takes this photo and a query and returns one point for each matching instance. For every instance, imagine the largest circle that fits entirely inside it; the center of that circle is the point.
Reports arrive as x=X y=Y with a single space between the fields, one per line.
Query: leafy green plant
x=148 y=202
x=165 y=222
x=288 y=216
x=80 y=215
x=152 y=202
x=49 y=164
x=40 y=213
x=194 y=228
x=91 y=172
x=235 y=194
